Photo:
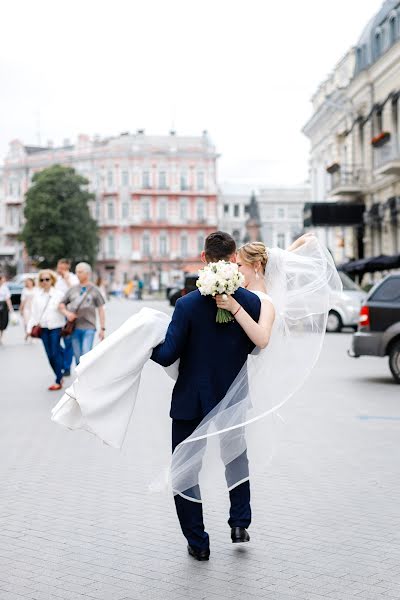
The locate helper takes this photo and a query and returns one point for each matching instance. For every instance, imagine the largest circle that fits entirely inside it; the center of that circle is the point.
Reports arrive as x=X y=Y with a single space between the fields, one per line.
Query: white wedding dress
x=102 y=398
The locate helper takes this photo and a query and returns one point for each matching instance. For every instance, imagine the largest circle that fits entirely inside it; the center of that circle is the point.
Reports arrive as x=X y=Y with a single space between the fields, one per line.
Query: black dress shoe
x=67 y=373
x=199 y=554
x=239 y=535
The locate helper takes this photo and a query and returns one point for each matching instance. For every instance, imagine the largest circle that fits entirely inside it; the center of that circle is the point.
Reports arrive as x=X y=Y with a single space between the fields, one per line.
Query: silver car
x=346 y=305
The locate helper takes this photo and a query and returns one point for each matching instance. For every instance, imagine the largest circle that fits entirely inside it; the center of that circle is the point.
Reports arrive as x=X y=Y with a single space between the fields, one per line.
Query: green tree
x=58 y=221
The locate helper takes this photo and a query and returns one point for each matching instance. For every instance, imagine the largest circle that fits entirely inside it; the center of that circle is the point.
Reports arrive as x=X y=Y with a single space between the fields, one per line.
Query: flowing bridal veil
x=236 y=434
x=300 y=284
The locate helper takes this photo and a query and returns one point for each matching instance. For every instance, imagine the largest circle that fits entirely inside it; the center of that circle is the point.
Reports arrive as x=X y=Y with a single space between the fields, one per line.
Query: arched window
x=392 y=29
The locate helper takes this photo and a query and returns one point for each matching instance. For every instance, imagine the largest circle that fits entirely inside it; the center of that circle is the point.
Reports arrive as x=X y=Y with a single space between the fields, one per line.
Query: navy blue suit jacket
x=211 y=354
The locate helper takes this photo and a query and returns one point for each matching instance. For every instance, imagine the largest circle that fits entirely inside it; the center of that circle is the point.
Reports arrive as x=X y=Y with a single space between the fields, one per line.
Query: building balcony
x=107 y=255
x=387 y=158
x=14 y=200
x=348 y=181
x=8 y=250
x=12 y=229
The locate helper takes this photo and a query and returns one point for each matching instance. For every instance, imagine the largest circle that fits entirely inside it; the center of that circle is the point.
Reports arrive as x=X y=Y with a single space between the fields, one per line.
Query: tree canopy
x=58 y=221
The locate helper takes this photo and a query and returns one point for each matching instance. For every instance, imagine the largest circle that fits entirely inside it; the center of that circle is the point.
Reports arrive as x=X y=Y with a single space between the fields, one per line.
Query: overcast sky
x=244 y=70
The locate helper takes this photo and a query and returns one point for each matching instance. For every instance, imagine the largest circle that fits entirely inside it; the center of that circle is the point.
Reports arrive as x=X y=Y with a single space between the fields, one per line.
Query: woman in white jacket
x=46 y=314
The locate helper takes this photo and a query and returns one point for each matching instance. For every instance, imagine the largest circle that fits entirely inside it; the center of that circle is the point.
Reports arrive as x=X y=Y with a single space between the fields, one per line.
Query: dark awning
x=333 y=214
x=371 y=265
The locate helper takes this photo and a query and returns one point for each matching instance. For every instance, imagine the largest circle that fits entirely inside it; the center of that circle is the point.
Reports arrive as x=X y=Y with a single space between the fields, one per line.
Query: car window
x=388 y=291
x=348 y=284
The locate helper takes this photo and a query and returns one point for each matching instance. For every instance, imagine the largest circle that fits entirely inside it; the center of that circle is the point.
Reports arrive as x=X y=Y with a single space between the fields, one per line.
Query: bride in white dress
x=295 y=293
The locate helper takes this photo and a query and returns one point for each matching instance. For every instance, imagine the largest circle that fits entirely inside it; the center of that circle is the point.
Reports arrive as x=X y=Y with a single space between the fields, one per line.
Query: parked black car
x=379 y=324
x=189 y=286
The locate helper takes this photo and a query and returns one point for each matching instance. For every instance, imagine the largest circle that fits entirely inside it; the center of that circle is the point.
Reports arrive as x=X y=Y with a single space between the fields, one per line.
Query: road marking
x=377 y=418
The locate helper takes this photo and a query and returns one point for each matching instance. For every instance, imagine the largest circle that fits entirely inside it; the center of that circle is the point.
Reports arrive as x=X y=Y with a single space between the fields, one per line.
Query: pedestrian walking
x=25 y=308
x=5 y=305
x=79 y=305
x=65 y=281
x=45 y=313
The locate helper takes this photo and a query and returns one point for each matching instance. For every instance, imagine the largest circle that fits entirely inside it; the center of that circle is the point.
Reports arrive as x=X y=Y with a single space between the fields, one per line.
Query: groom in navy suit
x=205 y=375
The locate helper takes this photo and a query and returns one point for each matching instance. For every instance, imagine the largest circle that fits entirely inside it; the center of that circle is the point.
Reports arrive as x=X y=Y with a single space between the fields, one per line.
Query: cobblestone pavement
x=326 y=520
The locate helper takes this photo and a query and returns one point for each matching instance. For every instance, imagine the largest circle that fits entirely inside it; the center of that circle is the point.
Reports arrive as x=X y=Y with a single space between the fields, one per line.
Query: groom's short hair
x=219 y=246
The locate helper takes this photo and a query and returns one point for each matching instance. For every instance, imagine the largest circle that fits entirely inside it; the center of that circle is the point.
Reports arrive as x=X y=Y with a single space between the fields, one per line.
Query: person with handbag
x=46 y=322
x=79 y=306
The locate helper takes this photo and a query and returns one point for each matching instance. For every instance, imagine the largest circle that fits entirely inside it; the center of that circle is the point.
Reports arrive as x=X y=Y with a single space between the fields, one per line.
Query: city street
x=326 y=519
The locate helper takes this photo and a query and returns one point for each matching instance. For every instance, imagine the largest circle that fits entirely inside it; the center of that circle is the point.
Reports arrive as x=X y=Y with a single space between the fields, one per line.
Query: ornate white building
x=355 y=144
x=155 y=198
x=280 y=209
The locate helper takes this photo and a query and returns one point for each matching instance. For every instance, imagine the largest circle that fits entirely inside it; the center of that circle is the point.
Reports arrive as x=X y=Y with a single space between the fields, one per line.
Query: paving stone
x=77 y=522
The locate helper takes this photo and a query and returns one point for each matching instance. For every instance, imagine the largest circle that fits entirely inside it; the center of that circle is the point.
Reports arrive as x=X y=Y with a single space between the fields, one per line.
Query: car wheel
x=394 y=361
x=334 y=322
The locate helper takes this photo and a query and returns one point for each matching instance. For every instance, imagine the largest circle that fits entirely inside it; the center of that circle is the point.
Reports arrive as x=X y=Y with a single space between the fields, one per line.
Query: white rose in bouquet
x=220 y=278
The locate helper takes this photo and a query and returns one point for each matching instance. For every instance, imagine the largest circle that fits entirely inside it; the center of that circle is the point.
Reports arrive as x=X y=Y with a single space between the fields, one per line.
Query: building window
x=110 y=178
x=201 y=209
x=125 y=178
x=146 y=209
x=183 y=209
x=200 y=180
x=162 y=180
x=280 y=240
x=146 y=180
x=126 y=245
x=146 y=244
x=236 y=237
x=162 y=209
x=184 y=245
x=359 y=59
x=163 y=244
x=110 y=209
x=184 y=181
x=378 y=120
x=200 y=242
x=236 y=210
x=97 y=210
x=392 y=30
x=378 y=43
x=125 y=210
x=111 y=246
x=226 y=209
x=280 y=213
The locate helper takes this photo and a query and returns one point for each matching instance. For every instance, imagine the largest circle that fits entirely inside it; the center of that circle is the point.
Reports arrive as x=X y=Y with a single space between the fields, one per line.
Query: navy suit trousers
x=190 y=514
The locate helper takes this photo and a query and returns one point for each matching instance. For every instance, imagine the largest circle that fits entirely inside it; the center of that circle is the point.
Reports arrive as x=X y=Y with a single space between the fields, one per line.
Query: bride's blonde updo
x=253 y=252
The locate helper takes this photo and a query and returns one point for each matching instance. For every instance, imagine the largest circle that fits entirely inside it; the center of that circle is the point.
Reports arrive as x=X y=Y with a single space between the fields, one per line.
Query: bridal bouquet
x=220 y=278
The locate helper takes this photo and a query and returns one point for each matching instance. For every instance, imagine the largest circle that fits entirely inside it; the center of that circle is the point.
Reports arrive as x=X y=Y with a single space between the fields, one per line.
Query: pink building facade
x=155 y=200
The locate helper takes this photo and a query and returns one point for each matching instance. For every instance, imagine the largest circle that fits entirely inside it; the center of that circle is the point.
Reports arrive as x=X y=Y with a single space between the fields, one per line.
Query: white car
x=346 y=305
